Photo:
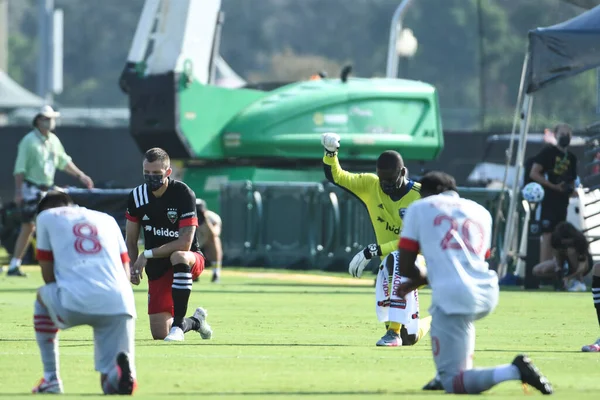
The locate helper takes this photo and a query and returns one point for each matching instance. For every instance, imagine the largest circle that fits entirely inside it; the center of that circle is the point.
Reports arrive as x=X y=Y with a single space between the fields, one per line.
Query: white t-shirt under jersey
x=454 y=236
x=88 y=251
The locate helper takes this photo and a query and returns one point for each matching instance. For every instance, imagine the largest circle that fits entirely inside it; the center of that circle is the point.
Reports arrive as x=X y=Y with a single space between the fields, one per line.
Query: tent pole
x=509 y=152
x=514 y=200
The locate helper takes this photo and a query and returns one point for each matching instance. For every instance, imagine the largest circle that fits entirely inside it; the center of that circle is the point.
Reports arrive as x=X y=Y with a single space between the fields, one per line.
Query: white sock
x=48 y=376
x=14 y=263
x=505 y=373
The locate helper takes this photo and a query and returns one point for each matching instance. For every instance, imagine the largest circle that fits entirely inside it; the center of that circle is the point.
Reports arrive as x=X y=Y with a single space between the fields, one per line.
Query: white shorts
x=113 y=334
x=390 y=307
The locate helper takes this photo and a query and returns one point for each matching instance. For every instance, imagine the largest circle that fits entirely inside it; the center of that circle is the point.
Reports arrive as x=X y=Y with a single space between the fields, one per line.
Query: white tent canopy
x=13 y=95
x=554 y=53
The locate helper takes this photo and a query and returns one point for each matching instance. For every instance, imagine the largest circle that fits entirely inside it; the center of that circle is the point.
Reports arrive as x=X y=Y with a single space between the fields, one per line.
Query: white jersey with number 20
x=88 y=251
x=454 y=236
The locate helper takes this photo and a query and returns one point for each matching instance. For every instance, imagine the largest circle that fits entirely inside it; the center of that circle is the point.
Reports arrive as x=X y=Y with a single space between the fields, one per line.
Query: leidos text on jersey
x=164 y=232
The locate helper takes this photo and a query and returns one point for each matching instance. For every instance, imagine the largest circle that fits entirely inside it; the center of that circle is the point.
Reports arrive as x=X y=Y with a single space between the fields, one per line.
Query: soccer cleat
x=205 y=330
x=592 y=348
x=16 y=272
x=52 y=386
x=127 y=383
x=215 y=276
x=390 y=339
x=530 y=375
x=175 y=335
x=434 y=384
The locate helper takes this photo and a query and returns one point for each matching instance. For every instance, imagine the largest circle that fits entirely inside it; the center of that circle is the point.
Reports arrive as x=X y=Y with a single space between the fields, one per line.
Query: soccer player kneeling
x=454 y=236
x=166 y=211
x=86 y=269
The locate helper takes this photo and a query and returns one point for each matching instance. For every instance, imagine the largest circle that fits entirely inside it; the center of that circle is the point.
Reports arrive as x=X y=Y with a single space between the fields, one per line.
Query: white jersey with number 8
x=88 y=251
x=454 y=236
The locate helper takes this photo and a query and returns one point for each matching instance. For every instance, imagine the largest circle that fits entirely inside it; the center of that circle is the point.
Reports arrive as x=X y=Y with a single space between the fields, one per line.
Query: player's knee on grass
x=447 y=381
x=160 y=324
x=182 y=257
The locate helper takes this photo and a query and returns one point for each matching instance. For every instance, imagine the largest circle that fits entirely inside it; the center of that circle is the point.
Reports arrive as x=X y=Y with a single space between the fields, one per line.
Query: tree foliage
x=471 y=50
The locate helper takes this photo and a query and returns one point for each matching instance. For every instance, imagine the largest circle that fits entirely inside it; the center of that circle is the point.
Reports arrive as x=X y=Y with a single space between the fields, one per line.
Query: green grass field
x=295 y=335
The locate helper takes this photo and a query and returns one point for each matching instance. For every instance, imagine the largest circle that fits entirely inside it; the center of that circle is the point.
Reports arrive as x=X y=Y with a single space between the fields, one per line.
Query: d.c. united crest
x=172 y=214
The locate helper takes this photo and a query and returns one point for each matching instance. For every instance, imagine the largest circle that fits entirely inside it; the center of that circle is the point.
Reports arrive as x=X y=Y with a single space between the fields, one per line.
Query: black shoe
x=126 y=382
x=16 y=272
x=215 y=277
x=434 y=384
x=407 y=340
x=531 y=375
x=196 y=279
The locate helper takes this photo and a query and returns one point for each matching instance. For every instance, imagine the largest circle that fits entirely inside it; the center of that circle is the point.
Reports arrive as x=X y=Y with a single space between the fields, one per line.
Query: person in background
x=209 y=238
x=40 y=154
x=571 y=261
x=555 y=168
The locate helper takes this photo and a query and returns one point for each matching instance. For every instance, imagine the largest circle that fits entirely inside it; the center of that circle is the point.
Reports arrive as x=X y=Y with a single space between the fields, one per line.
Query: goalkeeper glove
x=362 y=258
x=331 y=142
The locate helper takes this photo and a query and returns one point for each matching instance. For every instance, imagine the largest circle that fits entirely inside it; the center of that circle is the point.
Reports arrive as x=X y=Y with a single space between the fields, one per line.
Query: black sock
x=180 y=291
x=596 y=295
x=190 y=324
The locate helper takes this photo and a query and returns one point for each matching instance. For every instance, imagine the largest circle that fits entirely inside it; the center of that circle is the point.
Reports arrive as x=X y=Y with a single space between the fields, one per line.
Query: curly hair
x=566 y=235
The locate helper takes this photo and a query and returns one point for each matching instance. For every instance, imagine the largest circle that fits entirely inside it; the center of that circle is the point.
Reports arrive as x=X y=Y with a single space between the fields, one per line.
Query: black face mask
x=389 y=187
x=564 y=141
x=154 y=182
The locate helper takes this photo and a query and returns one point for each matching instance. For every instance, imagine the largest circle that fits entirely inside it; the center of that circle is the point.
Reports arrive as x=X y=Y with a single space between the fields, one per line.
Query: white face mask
x=48 y=124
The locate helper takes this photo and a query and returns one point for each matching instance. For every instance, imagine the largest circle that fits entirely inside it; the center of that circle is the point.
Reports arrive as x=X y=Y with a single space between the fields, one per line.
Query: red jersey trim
x=124 y=257
x=408 y=244
x=44 y=255
x=131 y=218
x=188 y=222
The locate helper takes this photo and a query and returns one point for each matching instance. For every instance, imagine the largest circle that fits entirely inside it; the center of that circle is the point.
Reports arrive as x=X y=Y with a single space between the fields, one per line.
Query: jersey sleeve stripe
x=131 y=217
x=140 y=194
x=44 y=255
x=188 y=222
x=135 y=197
x=124 y=257
x=408 y=244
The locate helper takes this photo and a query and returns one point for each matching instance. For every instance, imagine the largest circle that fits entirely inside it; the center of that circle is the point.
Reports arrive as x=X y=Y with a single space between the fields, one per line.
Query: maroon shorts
x=159 y=290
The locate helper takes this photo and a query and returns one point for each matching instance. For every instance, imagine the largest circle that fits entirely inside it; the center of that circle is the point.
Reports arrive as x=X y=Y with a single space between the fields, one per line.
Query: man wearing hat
x=39 y=154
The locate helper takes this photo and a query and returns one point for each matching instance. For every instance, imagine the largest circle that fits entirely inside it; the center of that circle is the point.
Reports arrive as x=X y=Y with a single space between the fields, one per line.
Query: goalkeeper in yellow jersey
x=386 y=195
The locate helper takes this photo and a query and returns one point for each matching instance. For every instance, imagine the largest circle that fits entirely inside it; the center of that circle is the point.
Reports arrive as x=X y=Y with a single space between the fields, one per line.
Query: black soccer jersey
x=161 y=217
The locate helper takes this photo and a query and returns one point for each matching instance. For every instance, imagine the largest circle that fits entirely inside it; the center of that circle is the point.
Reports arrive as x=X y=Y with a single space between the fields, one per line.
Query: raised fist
x=331 y=141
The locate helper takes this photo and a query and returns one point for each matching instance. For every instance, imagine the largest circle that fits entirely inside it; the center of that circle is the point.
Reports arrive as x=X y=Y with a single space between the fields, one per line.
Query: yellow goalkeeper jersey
x=386 y=214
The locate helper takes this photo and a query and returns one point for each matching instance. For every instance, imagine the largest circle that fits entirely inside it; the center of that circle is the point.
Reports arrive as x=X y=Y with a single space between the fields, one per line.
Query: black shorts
x=32 y=194
x=551 y=214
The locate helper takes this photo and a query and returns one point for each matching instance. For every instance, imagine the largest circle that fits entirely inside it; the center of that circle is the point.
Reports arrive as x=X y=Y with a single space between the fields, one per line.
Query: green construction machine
x=181 y=99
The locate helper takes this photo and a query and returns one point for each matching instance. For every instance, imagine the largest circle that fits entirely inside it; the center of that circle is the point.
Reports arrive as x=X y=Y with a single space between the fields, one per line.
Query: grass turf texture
x=279 y=334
